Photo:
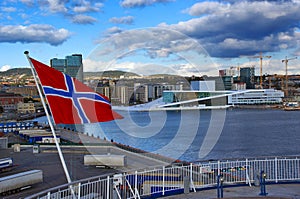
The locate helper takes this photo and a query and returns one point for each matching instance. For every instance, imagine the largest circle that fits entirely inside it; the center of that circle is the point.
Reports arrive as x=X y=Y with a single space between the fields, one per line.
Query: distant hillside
x=164 y=75
x=16 y=71
x=112 y=74
x=27 y=72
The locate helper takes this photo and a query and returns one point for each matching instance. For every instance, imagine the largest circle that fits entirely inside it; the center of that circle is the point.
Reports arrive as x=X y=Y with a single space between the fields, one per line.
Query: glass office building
x=247 y=75
x=71 y=65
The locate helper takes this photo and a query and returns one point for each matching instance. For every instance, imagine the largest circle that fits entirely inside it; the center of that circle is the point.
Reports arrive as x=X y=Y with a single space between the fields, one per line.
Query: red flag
x=70 y=101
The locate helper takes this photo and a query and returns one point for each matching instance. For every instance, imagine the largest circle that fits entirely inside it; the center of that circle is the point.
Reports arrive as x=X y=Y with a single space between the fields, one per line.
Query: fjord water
x=247 y=133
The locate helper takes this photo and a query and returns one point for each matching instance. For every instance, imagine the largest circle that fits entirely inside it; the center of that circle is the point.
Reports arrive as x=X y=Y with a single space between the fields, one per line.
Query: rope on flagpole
x=49 y=120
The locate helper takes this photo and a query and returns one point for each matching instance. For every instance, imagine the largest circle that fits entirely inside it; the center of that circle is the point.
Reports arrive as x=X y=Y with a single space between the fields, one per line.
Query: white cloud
x=206 y=8
x=113 y=30
x=27 y=2
x=8 y=9
x=86 y=6
x=33 y=33
x=83 y=19
x=5 y=68
x=122 y=20
x=141 y=3
x=152 y=51
x=242 y=27
x=57 y=6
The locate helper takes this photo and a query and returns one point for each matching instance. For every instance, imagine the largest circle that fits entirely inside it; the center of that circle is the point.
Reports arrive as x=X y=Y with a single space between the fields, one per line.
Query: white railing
x=175 y=178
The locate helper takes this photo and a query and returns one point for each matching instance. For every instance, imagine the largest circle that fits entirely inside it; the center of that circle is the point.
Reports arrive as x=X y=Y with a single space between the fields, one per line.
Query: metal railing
x=175 y=178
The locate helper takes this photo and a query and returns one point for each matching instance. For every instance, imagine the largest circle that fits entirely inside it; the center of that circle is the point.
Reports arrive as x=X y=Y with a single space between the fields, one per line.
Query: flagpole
x=49 y=120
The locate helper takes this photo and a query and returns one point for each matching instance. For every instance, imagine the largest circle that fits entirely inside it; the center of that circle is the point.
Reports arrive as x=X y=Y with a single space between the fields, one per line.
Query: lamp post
x=263 y=177
x=220 y=181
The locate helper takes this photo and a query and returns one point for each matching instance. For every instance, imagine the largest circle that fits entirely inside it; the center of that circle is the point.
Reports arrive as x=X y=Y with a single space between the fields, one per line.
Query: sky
x=185 y=37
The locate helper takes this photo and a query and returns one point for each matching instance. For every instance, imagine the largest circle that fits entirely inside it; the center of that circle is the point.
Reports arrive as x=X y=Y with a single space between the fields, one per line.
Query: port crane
x=286 y=60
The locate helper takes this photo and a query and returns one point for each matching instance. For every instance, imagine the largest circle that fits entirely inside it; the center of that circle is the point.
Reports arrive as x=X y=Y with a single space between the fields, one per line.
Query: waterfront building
x=105 y=90
x=26 y=91
x=9 y=101
x=227 y=81
x=38 y=136
x=220 y=82
x=203 y=85
x=223 y=98
x=247 y=75
x=144 y=92
x=71 y=65
x=74 y=66
x=195 y=98
x=58 y=64
x=25 y=107
x=124 y=94
x=140 y=94
x=232 y=71
x=256 y=97
x=155 y=91
x=103 y=87
x=38 y=107
x=238 y=86
x=222 y=72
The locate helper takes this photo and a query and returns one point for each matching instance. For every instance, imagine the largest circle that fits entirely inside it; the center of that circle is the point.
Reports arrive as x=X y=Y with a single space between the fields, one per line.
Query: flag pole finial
x=26 y=52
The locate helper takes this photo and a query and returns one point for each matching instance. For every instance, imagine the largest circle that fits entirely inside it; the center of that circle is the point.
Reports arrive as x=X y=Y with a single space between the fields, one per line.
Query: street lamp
x=263 y=177
x=220 y=181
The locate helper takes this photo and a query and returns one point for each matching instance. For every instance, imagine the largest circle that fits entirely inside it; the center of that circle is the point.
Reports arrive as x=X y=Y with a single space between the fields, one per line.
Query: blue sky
x=150 y=36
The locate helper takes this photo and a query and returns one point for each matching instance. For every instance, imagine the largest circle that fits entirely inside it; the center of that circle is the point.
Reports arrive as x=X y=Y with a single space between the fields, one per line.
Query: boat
x=291 y=106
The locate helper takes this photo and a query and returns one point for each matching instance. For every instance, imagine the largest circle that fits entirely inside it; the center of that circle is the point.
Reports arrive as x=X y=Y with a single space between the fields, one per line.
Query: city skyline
x=229 y=33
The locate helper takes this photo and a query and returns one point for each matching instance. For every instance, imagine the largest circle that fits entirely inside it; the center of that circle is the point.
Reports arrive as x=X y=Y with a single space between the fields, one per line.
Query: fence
x=175 y=178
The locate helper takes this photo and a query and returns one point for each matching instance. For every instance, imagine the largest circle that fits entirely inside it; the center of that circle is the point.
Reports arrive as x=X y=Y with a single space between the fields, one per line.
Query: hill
x=110 y=73
x=16 y=71
x=27 y=72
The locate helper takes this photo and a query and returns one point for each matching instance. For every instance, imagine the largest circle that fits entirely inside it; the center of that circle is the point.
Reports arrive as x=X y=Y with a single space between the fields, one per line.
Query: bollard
x=186 y=184
x=36 y=148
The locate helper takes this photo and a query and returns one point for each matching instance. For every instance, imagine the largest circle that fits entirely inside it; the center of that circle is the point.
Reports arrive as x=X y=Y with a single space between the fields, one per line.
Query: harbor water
x=205 y=134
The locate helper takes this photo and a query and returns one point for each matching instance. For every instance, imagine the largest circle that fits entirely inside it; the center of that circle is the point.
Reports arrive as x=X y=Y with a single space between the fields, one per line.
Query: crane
x=237 y=68
x=286 y=60
x=260 y=56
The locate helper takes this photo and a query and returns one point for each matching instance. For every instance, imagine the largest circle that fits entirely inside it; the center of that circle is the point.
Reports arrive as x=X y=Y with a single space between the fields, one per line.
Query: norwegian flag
x=70 y=101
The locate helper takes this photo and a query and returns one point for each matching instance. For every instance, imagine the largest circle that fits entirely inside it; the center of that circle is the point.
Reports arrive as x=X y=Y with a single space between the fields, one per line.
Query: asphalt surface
x=49 y=162
x=275 y=191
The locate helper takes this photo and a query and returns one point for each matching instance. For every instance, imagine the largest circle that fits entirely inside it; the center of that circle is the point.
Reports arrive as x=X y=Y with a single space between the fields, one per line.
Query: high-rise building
x=71 y=65
x=58 y=64
x=247 y=75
